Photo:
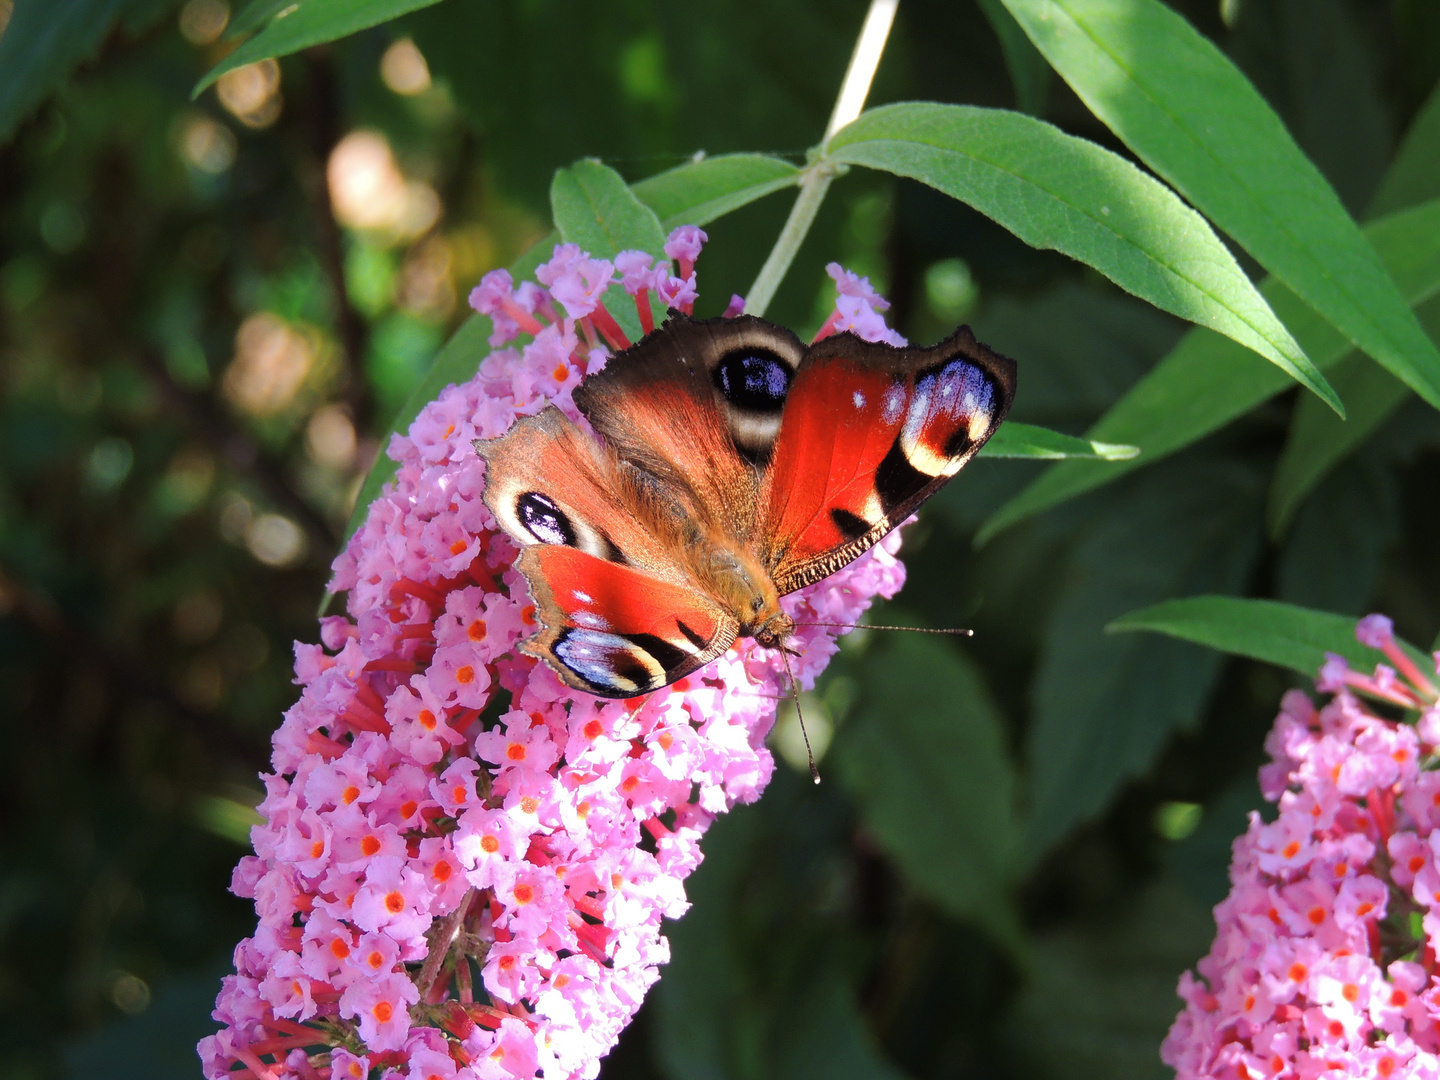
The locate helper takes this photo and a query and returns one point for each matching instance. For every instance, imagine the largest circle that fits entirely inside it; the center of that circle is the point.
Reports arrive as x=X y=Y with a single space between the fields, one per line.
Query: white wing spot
x=859 y=400
x=584 y=598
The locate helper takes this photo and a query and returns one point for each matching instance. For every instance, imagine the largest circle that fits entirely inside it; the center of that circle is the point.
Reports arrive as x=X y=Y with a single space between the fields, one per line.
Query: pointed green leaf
x=1207 y=381
x=1016 y=440
x=1056 y=191
x=1293 y=637
x=1318 y=439
x=698 y=192
x=303 y=23
x=595 y=208
x=1181 y=105
x=945 y=735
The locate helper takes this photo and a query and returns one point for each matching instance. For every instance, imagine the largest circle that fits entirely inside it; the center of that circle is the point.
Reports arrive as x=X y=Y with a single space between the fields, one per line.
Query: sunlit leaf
x=1180 y=104
x=1016 y=440
x=1293 y=637
x=698 y=192
x=1056 y=191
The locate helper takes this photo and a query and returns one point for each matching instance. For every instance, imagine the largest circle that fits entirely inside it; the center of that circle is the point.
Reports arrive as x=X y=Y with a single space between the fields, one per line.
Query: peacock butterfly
x=735 y=465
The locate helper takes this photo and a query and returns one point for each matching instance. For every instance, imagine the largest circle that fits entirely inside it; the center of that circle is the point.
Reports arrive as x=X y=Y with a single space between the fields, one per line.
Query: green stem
x=813 y=187
x=817 y=178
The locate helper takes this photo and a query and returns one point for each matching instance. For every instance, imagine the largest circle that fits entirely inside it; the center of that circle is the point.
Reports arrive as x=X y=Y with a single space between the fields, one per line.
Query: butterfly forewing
x=869 y=433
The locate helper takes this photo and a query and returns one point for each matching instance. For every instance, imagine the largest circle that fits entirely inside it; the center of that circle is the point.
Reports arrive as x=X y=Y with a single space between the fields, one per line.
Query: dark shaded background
x=196 y=363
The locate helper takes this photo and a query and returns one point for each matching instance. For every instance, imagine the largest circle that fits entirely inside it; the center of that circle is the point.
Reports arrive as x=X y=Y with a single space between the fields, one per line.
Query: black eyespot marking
x=695 y=639
x=753 y=380
x=851 y=526
x=896 y=479
x=543 y=519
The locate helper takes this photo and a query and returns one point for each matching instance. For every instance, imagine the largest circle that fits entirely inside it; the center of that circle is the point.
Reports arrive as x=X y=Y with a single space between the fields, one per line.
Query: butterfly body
x=733 y=465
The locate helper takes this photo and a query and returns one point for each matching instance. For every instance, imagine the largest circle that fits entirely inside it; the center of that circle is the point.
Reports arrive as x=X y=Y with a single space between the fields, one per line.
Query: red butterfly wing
x=869 y=433
x=615 y=630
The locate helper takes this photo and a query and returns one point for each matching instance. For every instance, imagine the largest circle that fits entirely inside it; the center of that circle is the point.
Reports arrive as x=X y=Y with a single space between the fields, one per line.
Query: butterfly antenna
x=795 y=693
x=953 y=631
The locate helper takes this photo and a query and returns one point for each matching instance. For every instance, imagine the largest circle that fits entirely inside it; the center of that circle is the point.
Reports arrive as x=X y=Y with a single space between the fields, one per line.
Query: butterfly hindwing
x=870 y=432
x=616 y=630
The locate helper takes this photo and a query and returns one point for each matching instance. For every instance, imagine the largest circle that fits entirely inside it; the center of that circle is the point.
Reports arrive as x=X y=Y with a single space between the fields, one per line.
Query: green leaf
x=1318 y=439
x=698 y=192
x=1100 y=1004
x=1104 y=706
x=1015 y=440
x=1207 y=381
x=1180 y=104
x=44 y=41
x=304 y=23
x=943 y=735
x=1414 y=175
x=1029 y=71
x=594 y=208
x=1056 y=191
x=1293 y=637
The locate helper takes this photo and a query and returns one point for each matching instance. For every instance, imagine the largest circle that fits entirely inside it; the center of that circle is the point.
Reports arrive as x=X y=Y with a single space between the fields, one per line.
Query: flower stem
x=816 y=180
x=442 y=938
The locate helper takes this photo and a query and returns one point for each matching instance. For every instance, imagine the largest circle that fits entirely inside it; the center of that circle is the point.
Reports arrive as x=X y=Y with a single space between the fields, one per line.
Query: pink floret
x=397 y=820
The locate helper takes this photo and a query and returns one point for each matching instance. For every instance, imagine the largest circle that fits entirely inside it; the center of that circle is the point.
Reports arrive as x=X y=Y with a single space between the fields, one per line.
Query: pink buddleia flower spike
x=1301 y=981
x=402 y=830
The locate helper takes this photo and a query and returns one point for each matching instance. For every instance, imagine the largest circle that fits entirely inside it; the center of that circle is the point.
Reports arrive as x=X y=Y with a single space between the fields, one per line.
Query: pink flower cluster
x=464 y=864
x=1324 y=963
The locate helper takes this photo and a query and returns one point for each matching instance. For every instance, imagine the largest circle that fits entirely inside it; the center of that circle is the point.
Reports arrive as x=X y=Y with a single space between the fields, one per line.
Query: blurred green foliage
x=211 y=309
